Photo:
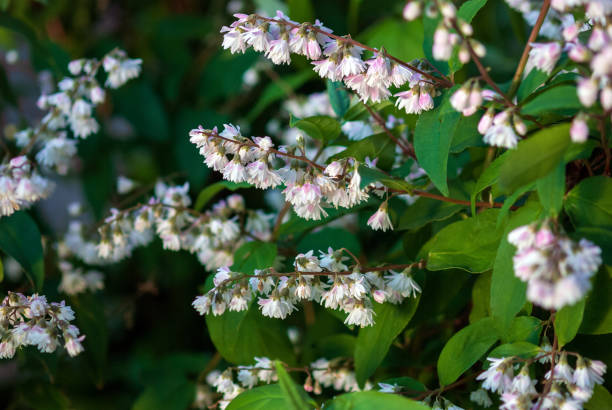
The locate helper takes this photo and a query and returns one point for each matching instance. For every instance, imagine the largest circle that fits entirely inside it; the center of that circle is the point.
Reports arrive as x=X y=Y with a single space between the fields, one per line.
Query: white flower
x=403 y=283
x=202 y=304
x=276 y=307
x=498 y=377
x=121 y=70
x=543 y=56
x=501 y=133
x=265 y=376
x=360 y=315
x=380 y=219
x=481 y=398
x=588 y=373
x=247 y=378
x=125 y=185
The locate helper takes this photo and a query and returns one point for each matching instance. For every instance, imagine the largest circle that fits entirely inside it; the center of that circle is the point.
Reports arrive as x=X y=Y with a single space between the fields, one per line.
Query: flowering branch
x=532 y=37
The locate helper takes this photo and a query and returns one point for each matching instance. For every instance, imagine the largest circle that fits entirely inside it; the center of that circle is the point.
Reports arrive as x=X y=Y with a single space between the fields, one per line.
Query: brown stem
x=407 y=149
x=483 y=71
x=279 y=220
x=442 y=82
x=553 y=355
x=273 y=274
x=523 y=61
x=458 y=201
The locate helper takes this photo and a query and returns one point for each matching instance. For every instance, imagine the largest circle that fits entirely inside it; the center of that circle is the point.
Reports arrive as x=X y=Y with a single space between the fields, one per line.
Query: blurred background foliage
x=145 y=344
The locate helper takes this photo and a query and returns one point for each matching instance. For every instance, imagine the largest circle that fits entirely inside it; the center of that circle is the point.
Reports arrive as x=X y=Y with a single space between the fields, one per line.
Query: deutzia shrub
x=265 y=211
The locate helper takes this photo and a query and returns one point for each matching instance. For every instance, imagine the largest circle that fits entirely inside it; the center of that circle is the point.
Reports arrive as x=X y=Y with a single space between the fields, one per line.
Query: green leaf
x=464 y=349
x=507 y=291
x=535 y=157
x=597 y=318
x=392 y=33
x=240 y=336
x=368 y=400
x=521 y=349
x=254 y=255
x=529 y=84
x=432 y=141
x=523 y=328
x=375 y=146
x=210 y=191
x=426 y=210
x=488 y=177
x=481 y=295
x=601 y=399
x=474 y=252
x=373 y=342
x=301 y=10
x=295 y=396
x=266 y=397
x=319 y=127
x=469 y=9
x=590 y=202
x=567 y=322
x=551 y=190
x=20 y=238
x=338 y=97
x=562 y=98
x=330 y=237
x=174 y=393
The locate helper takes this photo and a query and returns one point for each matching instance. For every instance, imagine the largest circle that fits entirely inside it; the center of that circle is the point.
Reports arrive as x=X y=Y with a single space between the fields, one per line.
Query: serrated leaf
x=373 y=342
x=590 y=202
x=368 y=400
x=20 y=238
x=551 y=189
x=476 y=250
x=534 y=157
x=295 y=396
x=567 y=322
x=320 y=127
x=464 y=349
x=338 y=97
x=562 y=98
x=266 y=397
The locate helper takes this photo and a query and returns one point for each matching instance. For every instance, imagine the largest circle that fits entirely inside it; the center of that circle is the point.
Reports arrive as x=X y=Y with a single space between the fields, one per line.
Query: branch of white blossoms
x=213 y=235
x=336 y=374
x=325 y=279
x=32 y=321
x=593 y=57
x=567 y=385
x=557 y=269
x=337 y=58
x=72 y=107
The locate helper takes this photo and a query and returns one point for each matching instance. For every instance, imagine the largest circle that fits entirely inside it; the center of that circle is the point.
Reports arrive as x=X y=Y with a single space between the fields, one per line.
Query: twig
x=523 y=61
x=407 y=149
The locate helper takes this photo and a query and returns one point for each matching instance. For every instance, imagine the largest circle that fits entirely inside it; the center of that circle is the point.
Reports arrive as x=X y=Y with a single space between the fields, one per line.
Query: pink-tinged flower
x=442 y=45
x=259 y=38
x=498 y=377
x=400 y=74
x=379 y=71
x=334 y=169
x=486 y=121
x=606 y=98
x=327 y=68
x=579 y=131
x=380 y=219
x=589 y=373
x=279 y=51
x=602 y=62
x=403 y=283
x=234 y=171
x=261 y=176
x=543 y=56
x=202 y=304
x=412 y=10
x=587 y=91
x=310 y=210
x=350 y=64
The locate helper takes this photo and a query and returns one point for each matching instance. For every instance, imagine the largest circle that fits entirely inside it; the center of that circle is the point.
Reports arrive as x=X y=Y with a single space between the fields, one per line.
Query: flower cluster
x=72 y=107
x=344 y=289
x=213 y=235
x=21 y=185
x=452 y=34
x=32 y=321
x=75 y=280
x=564 y=386
x=307 y=184
x=557 y=270
x=334 y=57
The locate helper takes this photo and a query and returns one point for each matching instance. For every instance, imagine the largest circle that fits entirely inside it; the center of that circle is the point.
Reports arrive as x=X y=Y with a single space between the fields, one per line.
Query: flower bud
x=486 y=121
x=587 y=91
x=579 y=130
x=412 y=10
